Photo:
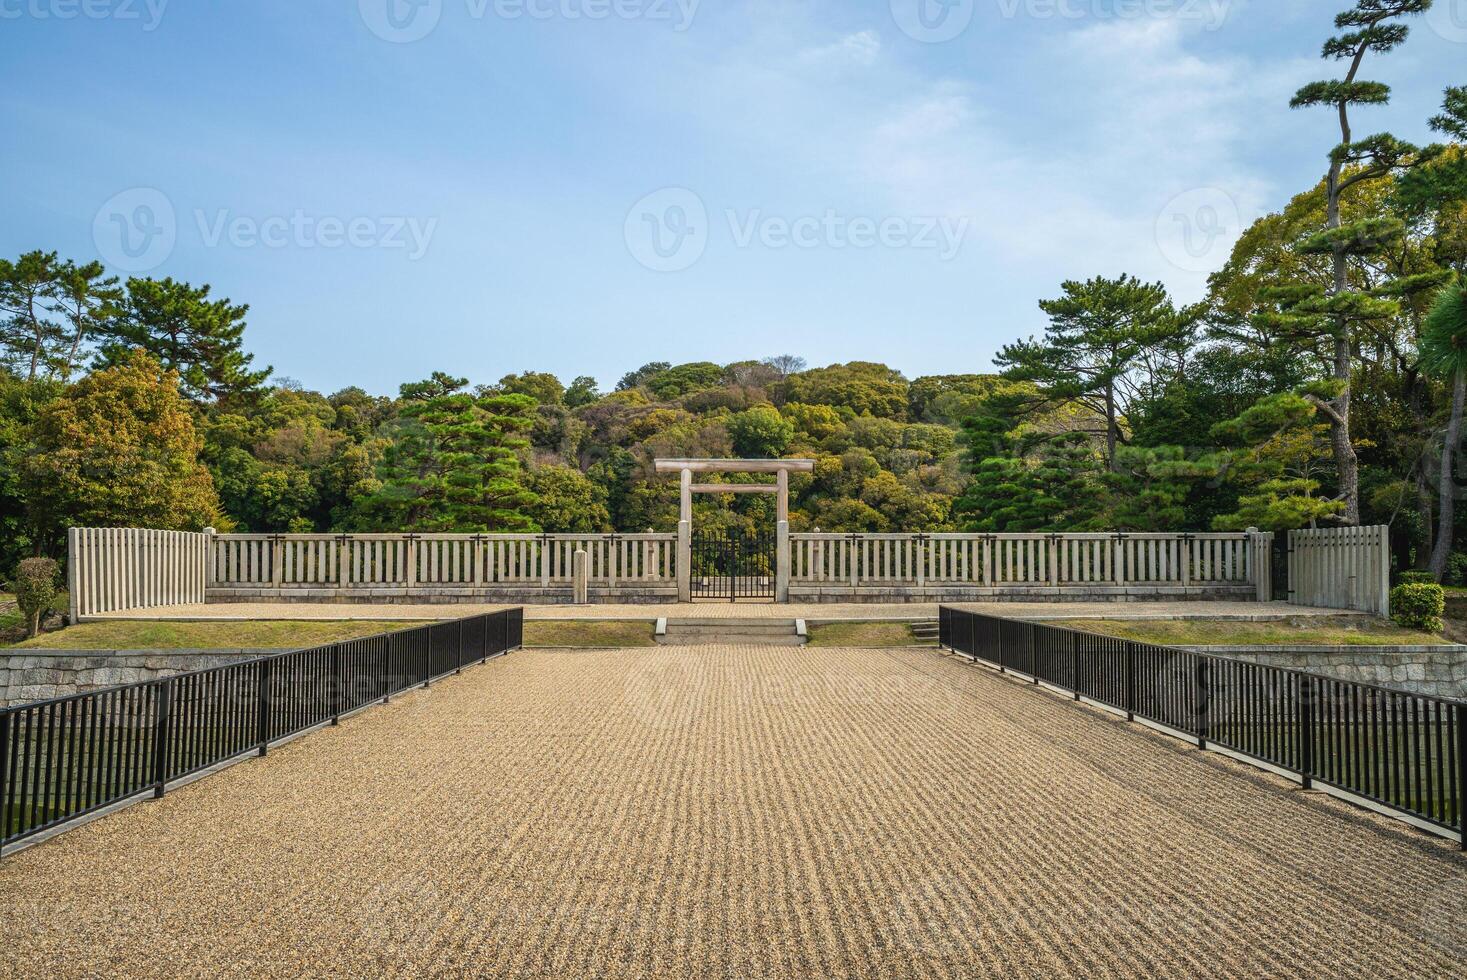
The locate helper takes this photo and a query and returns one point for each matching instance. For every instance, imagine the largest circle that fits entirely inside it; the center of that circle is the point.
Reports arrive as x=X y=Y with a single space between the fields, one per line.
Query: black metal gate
x=732 y=565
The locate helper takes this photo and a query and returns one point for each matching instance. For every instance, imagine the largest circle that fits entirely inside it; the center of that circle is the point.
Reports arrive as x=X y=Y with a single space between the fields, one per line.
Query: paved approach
x=732 y=812
x=843 y=611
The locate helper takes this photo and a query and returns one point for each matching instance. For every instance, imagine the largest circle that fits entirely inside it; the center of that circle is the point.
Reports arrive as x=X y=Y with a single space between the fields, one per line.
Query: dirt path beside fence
x=735 y=811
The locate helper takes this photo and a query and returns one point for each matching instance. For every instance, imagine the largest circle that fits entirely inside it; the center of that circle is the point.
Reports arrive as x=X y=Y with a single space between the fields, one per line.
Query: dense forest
x=1321 y=380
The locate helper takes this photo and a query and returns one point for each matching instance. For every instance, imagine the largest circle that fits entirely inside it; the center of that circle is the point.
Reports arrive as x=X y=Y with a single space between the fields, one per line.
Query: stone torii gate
x=781 y=468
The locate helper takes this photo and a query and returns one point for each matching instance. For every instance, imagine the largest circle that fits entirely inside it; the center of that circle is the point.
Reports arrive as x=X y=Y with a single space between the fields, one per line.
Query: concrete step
x=926 y=629
x=712 y=629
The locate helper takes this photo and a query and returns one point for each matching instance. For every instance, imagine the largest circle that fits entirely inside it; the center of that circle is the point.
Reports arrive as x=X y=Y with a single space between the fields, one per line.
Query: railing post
x=5 y=801
x=1306 y=729
x=160 y=738
x=262 y=706
x=460 y=669
x=338 y=675
x=1130 y=682
x=1075 y=664
x=1203 y=702
x=1462 y=772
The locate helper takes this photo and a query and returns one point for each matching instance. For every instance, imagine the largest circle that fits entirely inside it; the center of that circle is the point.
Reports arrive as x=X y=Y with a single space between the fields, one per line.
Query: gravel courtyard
x=735 y=812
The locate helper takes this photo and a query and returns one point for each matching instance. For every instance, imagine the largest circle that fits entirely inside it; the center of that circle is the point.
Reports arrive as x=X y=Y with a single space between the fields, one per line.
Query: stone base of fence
x=834 y=592
x=622 y=592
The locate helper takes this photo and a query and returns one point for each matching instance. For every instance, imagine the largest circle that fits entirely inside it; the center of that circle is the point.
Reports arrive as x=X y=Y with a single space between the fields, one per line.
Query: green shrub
x=35 y=590
x=1457 y=568
x=1416 y=578
x=1419 y=606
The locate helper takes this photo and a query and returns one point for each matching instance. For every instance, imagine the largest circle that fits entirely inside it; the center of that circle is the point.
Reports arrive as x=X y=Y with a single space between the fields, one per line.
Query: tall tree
x=1369 y=27
x=200 y=338
x=88 y=299
x=29 y=334
x=456 y=463
x=1108 y=340
x=119 y=449
x=1444 y=354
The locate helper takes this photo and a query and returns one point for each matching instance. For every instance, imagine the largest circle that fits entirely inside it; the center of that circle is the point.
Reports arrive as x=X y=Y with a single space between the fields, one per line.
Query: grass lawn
x=12 y=626
x=139 y=634
x=862 y=635
x=587 y=633
x=1282 y=632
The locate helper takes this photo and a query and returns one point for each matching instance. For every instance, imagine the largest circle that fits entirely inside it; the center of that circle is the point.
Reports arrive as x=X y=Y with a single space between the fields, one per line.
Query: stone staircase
x=697 y=631
x=925 y=630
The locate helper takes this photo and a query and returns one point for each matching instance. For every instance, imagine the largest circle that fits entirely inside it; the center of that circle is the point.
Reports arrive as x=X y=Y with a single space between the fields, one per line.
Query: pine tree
x=1338 y=310
x=201 y=339
x=1107 y=341
x=455 y=464
x=30 y=334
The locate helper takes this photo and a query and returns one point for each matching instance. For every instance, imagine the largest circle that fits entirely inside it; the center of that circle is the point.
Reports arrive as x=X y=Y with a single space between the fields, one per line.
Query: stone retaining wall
x=35 y=675
x=1440 y=671
x=836 y=592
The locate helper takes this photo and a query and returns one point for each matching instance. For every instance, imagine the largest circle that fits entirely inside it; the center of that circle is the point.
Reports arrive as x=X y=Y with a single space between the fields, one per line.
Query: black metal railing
x=1403 y=751
x=68 y=757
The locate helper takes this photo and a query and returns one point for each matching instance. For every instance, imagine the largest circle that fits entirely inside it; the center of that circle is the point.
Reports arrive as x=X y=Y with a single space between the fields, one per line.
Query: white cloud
x=861 y=48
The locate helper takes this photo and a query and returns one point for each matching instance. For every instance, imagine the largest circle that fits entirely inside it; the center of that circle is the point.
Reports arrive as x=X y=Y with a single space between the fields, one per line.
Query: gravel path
x=740 y=610
x=735 y=812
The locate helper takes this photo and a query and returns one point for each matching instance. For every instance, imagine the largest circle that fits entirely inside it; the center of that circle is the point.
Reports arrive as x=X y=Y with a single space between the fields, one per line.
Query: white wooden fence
x=115 y=569
x=1341 y=568
x=1033 y=560
x=111 y=569
x=424 y=560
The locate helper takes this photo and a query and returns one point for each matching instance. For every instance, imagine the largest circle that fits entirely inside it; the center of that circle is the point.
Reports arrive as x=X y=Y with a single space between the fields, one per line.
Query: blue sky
x=582 y=186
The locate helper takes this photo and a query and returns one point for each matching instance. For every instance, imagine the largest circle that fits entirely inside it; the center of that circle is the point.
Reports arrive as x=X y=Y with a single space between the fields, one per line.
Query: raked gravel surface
x=731 y=812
